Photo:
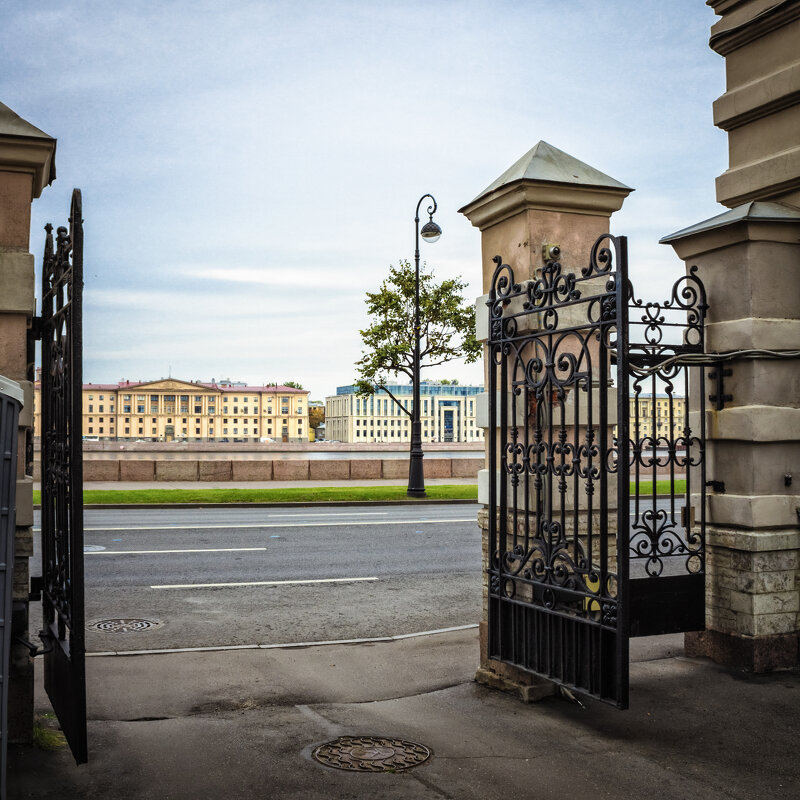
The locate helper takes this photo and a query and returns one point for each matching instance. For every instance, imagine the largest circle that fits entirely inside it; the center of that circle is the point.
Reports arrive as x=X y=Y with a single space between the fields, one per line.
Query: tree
x=447 y=328
x=316 y=416
x=293 y=384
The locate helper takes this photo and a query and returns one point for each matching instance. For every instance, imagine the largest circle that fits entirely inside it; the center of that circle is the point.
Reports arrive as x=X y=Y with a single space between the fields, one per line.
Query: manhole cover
x=124 y=625
x=93 y=548
x=371 y=754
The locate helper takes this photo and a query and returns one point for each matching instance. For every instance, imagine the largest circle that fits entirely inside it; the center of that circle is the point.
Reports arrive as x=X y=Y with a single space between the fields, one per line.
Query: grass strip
x=289 y=495
x=343 y=494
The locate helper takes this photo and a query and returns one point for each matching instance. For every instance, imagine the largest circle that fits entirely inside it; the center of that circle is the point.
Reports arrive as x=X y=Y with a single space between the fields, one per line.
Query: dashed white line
x=160 y=552
x=260 y=525
x=258 y=583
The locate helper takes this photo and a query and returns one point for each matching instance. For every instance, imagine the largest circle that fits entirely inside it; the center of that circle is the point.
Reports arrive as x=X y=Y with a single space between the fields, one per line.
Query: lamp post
x=430 y=233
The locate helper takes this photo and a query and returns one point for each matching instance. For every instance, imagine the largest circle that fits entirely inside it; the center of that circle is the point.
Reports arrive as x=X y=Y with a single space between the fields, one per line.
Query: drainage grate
x=124 y=625
x=371 y=754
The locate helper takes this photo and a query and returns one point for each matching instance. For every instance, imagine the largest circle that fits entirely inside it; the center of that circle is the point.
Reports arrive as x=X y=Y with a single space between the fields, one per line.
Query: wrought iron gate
x=566 y=368
x=62 y=478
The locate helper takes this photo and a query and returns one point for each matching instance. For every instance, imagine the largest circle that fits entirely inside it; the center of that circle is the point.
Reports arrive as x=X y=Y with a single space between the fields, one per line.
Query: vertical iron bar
x=623 y=474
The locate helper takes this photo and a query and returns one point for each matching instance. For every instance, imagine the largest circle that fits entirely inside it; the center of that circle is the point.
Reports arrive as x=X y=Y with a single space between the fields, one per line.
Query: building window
x=91 y=429
x=197 y=431
x=127 y=430
x=91 y=408
x=141 y=430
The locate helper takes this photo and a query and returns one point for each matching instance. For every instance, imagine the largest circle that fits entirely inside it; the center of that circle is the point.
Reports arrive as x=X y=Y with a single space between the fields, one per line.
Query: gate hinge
x=717 y=486
x=47 y=640
x=719 y=397
x=35 y=331
x=37 y=584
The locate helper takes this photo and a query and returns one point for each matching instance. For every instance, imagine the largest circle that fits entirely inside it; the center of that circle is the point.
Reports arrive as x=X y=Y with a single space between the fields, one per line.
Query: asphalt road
x=242 y=576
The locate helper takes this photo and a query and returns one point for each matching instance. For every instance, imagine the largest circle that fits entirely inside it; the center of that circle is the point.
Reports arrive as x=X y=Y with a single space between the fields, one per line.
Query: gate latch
x=716 y=486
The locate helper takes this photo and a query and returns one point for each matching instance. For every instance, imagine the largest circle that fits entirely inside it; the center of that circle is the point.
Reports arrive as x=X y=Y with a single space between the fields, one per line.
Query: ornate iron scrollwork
x=62 y=476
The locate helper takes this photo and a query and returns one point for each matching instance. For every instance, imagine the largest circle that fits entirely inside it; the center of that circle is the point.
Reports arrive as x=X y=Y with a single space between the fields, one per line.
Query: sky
x=250 y=170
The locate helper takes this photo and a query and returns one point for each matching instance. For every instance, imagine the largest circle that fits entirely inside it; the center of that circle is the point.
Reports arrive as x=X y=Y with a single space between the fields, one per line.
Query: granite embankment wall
x=363 y=469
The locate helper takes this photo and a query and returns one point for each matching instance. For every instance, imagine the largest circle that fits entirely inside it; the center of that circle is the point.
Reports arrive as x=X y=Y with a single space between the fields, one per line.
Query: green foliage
x=447 y=327
x=299 y=494
x=293 y=384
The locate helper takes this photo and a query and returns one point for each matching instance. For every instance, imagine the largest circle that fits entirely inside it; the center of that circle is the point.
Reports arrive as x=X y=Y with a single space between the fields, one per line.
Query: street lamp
x=430 y=233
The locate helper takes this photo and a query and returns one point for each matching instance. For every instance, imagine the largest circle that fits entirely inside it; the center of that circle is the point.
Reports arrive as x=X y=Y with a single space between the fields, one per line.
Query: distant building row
x=449 y=414
x=175 y=410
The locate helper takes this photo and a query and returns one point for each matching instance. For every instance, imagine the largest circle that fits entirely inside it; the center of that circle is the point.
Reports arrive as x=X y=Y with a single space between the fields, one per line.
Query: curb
x=286 y=504
x=284 y=646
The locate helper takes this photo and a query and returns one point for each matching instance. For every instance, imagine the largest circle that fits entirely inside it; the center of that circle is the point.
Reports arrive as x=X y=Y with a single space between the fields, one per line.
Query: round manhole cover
x=124 y=625
x=371 y=754
x=93 y=548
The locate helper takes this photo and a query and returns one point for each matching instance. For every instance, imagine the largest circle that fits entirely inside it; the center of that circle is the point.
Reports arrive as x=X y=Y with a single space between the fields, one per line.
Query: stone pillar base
x=496 y=675
x=749 y=653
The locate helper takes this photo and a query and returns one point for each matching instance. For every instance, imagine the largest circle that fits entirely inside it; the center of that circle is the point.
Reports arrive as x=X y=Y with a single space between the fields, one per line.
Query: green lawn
x=289 y=495
x=342 y=494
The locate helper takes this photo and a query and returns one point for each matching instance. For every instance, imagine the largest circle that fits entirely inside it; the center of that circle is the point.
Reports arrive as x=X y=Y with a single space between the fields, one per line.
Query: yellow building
x=174 y=410
x=654 y=418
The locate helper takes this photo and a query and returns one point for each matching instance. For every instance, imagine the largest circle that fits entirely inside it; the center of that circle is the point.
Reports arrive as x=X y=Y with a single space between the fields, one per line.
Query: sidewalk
x=266 y=484
x=243 y=724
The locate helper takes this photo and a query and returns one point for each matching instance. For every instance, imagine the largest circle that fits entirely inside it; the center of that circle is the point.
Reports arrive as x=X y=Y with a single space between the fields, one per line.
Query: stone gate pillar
x=749 y=260
x=547 y=197
x=27 y=165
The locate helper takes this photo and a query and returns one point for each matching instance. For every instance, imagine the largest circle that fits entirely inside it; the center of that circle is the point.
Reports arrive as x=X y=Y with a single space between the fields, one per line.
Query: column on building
x=547 y=197
x=749 y=260
x=27 y=165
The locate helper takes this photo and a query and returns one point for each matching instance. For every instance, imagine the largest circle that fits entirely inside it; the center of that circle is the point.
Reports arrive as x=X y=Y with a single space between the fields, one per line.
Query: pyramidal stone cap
x=754 y=211
x=549 y=179
x=25 y=148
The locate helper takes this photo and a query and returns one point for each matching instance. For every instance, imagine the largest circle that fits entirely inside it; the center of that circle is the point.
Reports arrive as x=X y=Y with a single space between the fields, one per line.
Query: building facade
x=654 y=420
x=447 y=414
x=174 y=410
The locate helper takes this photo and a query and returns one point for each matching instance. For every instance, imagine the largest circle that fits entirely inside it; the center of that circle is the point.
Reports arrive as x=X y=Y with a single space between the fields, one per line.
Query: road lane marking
x=259 y=525
x=336 y=514
x=150 y=552
x=258 y=583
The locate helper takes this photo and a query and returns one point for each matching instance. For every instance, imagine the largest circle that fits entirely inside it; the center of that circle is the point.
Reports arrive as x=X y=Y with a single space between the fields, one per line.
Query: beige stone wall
x=25 y=169
x=760 y=41
x=748 y=260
